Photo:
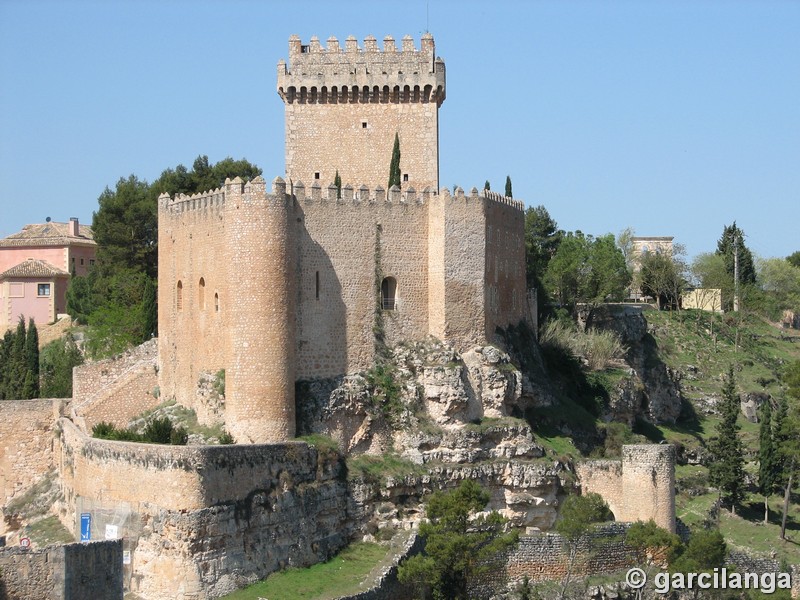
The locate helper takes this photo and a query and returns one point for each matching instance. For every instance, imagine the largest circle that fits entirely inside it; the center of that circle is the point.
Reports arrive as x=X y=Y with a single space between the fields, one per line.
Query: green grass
x=48 y=531
x=377 y=468
x=339 y=576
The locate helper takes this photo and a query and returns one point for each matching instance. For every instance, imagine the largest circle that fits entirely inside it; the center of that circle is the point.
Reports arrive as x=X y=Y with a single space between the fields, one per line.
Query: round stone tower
x=648 y=483
x=261 y=257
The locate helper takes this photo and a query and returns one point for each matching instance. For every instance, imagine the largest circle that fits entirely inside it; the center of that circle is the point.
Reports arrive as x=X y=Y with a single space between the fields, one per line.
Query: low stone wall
x=116 y=389
x=48 y=333
x=200 y=521
x=543 y=557
x=387 y=586
x=26 y=444
x=70 y=572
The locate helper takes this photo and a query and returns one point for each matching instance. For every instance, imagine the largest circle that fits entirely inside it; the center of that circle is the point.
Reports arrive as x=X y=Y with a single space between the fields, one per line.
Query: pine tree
x=508 y=187
x=31 y=362
x=768 y=462
x=394 y=166
x=337 y=181
x=726 y=472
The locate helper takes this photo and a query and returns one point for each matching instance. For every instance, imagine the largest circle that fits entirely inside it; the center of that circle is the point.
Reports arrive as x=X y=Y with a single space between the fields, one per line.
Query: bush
x=179 y=436
x=225 y=439
x=159 y=431
x=598 y=347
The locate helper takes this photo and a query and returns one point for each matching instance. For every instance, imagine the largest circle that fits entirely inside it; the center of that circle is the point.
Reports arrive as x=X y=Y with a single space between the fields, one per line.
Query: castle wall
x=543 y=557
x=193 y=245
x=116 y=389
x=505 y=263
x=68 y=572
x=464 y=249
x=603 y=477
x=640 y=487
x=26 y=444
x=203 y=520
x=353 y=244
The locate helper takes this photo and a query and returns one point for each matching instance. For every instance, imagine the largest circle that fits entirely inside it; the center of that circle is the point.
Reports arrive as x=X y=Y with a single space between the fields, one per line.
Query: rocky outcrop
x=661 y=401
x=429 y=403
x=526 y=492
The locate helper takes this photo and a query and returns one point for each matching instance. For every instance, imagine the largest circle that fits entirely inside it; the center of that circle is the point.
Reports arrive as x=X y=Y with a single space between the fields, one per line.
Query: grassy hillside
x=701 y=347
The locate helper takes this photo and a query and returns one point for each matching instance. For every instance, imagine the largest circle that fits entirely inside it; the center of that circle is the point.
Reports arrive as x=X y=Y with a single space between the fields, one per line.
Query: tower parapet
x=317 y=75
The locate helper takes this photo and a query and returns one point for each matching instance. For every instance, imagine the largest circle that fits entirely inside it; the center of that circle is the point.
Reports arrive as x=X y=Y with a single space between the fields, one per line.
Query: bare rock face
x=494 y=381
x=626 y=400
x=431 y=412
x=751 y=402
x=525 y=492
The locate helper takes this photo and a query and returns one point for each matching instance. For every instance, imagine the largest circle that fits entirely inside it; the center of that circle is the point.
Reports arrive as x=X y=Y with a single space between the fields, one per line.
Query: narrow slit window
x=201 y=293
x=179 y=296
x=389 y=293
x=405 y=176
x=316 y=175
x=316 y=286
x=216 y=302
x=363 y=124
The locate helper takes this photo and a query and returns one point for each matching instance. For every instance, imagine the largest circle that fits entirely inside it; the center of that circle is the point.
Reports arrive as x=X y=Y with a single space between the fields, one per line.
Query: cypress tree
x=31 y=362
x=149 y=310
x=394 y=166
x=5 y=361
x=726 y=472
x=17 y=364
x=768 y=463
x=508 y=187
x=337 y=181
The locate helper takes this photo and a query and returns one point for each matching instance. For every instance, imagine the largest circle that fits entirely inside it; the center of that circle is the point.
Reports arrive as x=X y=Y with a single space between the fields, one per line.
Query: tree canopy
x=586 y=269
x=117 y=299
x=733 y=238
x=458 y=542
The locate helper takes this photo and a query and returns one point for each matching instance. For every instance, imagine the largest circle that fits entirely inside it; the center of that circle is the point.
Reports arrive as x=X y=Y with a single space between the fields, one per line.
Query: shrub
x=159 y=431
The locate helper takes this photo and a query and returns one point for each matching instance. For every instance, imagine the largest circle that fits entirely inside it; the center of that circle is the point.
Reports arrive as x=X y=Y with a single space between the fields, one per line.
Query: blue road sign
x=86 y=527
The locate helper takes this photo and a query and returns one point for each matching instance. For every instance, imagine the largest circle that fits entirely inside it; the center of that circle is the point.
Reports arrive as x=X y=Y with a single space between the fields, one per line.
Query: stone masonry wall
x=201 y=521
x=26 y=444
x=640 y=488
x=361 y=99
x=116 y=389
x=192 y=245
x=346 y=246
x=603 y=477
x=69 y=572
x=543 y=557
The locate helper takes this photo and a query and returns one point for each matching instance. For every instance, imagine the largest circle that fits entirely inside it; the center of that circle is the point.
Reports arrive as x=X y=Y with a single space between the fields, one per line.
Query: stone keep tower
x=343 y=109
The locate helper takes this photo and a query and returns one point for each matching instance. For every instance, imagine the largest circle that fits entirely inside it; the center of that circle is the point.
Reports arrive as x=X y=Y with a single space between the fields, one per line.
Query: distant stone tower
x=343 y=109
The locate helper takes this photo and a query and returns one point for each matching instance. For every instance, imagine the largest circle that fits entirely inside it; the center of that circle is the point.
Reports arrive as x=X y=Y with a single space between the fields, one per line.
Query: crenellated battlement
x=216 y=199
x=487 y=194
x=366 y=75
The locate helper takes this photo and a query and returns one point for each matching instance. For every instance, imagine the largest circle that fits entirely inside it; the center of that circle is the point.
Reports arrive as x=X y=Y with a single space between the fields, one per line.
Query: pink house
x=35 y=266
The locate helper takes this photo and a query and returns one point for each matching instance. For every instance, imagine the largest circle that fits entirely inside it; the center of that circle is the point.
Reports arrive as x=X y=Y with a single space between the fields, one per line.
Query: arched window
x=201 y=294
x=179 y=296
x=389 y=293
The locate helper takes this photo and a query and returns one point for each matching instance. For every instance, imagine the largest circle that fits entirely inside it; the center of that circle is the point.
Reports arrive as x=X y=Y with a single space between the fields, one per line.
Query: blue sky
x=674 y=118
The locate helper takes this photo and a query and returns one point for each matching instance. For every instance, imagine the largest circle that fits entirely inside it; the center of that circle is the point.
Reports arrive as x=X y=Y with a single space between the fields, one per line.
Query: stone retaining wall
x=70 y=572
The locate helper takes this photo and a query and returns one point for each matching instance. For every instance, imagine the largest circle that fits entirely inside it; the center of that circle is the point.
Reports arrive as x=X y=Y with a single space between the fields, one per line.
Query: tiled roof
x=33 y=267
x=49 y=234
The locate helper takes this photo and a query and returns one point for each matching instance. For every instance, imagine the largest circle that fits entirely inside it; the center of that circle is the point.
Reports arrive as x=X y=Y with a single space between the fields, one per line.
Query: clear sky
x=674 y=118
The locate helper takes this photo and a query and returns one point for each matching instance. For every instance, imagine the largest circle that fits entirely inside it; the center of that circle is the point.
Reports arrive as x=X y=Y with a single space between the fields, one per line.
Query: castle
x=298 y=281
x=292 y=282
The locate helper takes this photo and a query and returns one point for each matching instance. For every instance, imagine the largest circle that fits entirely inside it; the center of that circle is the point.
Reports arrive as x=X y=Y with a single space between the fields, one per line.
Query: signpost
x=86 y=527
x=25 y=542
